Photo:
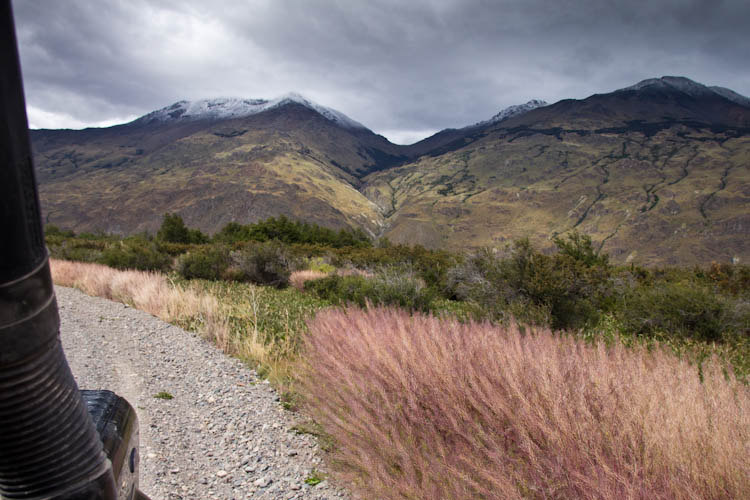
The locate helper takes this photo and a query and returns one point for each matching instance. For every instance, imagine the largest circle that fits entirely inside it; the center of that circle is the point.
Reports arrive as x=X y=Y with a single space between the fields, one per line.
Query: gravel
x=223 y=435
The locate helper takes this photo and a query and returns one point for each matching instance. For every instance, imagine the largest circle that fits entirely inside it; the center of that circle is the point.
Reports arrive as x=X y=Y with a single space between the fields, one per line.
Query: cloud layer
x=404 y=69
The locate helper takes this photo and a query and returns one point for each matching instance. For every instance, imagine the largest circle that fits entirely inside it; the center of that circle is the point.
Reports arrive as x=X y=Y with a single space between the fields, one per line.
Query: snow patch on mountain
x=511 y=111
x=732 y=96
x=231 y=107
x=689 y=87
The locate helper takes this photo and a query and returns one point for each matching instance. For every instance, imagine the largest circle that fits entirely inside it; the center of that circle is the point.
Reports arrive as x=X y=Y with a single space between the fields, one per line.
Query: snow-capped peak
x=330 y=113
x=689 y=87
x=511 y=111
x=232 y=107
x=680 y=83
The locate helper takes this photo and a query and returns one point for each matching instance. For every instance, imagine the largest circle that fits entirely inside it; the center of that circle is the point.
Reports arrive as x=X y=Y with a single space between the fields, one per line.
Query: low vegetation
x=258 y=324
x=150 y=292
x=288 y=231
x=298 y=278
x=389 y=286
x=437 y=375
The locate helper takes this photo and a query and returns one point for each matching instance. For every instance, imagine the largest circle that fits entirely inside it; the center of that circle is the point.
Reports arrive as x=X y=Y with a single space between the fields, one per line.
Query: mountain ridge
x=222 y=108
x=688 y=86
x=662 y=157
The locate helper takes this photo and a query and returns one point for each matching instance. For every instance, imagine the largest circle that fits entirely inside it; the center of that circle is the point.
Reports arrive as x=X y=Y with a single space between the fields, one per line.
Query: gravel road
x=223 y=435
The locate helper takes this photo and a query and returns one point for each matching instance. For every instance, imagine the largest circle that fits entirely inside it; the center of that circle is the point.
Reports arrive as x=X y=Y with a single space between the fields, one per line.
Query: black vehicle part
x=49 y=445
x=117 y=425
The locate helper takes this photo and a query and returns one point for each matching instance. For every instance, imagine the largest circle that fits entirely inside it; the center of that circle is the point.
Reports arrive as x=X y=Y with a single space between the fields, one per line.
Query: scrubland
x=486 y=375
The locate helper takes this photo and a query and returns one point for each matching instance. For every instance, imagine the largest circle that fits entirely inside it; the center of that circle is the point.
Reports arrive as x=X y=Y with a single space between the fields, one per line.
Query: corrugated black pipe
x=49 y=447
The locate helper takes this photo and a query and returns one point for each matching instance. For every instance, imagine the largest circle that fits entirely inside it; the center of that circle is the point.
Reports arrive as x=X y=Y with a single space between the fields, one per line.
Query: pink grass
x=433 y=409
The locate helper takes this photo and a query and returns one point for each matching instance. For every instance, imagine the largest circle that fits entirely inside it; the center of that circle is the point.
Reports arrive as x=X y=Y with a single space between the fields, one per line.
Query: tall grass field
x=422 y=407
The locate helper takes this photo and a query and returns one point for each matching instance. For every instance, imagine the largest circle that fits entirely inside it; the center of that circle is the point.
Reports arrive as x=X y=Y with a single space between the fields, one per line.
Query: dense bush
x=430 y=265
x=174 y=249
x=135 y=253
x=683 y=309
x=52 y=230
x=173 y=230
x=292 y=232
x=387 y=287
x=263 y=263
x=732 y=279
x=574 y=288
x=77 y=253
x=75 y=249
x=567 y=290
x=209 y=263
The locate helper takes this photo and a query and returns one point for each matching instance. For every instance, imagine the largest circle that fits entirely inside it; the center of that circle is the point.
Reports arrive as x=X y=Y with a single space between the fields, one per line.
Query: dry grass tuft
x=427 y=408
x=155 y=294
x=298 y=278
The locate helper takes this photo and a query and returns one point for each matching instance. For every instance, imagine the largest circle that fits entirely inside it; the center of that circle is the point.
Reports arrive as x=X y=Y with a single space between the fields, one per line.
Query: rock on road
x=224 y=435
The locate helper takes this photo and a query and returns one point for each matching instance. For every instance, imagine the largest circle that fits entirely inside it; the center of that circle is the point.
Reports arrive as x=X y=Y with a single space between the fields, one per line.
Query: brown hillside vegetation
x=288 y=161
x=680 y=196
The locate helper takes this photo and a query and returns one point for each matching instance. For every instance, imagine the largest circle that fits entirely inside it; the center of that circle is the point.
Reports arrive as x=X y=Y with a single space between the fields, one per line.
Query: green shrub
x=683 y=309
x=292 y=232
x=266 y=263
x=135 y=253
x=430 y=265
x=387 y=287
x=174 y=249
x=567 y=290
x=580 y=248
x=52 y=230
x=732 y=279
x=173 y=230
x=208 y=263
x=76 y=253
x=74 y=249
x=319 y=264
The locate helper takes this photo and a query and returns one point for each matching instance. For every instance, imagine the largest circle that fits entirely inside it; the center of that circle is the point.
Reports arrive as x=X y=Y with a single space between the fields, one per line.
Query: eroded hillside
x=680 y=194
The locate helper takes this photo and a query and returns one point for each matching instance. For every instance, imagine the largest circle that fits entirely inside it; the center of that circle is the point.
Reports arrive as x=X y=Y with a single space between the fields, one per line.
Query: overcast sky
x=404 y=68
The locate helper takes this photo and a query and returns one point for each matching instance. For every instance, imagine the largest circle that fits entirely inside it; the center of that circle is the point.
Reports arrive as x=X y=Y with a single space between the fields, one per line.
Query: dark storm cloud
x=401 y=68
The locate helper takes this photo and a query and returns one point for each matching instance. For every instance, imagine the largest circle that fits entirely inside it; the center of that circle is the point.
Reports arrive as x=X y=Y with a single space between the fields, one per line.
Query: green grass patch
x=277 y=315
x=315 y=478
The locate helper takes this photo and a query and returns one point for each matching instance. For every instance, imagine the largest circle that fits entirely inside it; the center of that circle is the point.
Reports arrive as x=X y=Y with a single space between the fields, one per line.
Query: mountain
x=511 y=111
x=654 y=102
x=230 y=108
x=212 y=161
x=656 y=173
x=452 y=138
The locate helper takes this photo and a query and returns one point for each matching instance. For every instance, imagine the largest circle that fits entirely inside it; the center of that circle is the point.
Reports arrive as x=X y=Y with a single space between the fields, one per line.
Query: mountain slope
x=212 y=167
x=450 y=139
x=657 y=173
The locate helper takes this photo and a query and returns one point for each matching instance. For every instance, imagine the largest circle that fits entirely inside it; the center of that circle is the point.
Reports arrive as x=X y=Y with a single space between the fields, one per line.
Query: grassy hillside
x=288 y=161
x=676 y=195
